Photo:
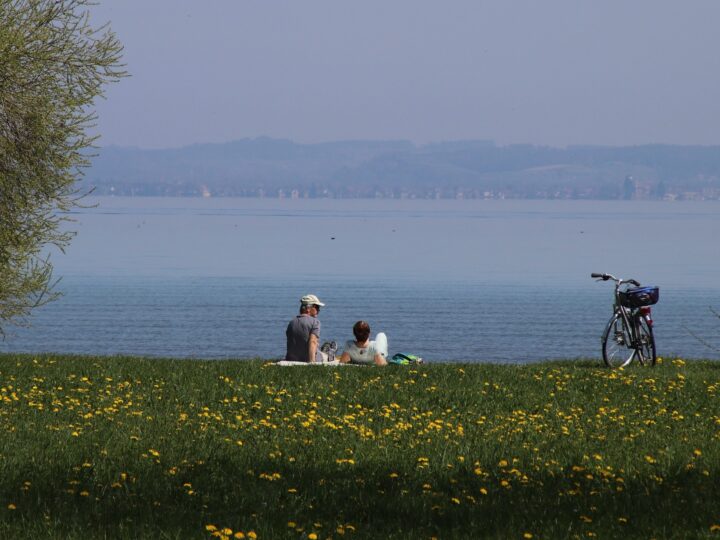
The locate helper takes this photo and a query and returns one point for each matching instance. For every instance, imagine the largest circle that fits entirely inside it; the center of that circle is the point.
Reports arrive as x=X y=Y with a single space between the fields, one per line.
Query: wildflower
x=312 y=536
x=650 y=459
x=11 y=506
x=210 y=528
x=239 y=534
x=292 y=524
x=251 y=534
x=678 y=362
x=697 y=452
x=714 y=528
x=527 y=535
x=502 y=463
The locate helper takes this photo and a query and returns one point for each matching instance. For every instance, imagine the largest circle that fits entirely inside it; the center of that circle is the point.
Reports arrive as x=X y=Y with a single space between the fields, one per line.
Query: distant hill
x=273 y=167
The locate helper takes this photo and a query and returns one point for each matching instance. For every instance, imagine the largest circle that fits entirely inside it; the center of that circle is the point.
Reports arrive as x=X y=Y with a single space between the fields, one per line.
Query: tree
x=53 y=65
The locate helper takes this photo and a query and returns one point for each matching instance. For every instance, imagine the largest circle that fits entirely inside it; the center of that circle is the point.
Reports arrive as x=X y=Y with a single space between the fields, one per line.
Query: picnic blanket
x=291 y=363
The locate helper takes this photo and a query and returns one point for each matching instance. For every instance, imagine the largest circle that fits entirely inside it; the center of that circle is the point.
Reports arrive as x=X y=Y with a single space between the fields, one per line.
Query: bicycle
x=629 y=333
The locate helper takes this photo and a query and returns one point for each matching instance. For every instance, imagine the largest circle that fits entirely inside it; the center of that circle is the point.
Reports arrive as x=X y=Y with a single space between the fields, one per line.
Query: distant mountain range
x=400 y=169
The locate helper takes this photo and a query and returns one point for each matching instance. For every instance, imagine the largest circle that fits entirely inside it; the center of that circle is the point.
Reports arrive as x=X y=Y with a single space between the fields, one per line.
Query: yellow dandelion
x=527 y=535
x=11 y=506
x=210 y=528
x=251 y=534
x=227 y=531
x=239 y=534
x=312 y=536
x=292 y=524
x=678 y=362
x=697 y=452
x=502 y=463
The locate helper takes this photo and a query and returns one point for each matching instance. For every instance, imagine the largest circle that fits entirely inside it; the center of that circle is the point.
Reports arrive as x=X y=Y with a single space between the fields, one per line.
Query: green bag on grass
x=405 y=359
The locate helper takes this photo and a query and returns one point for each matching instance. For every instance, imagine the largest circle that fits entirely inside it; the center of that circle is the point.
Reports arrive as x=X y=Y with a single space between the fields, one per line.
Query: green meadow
x=113 y=447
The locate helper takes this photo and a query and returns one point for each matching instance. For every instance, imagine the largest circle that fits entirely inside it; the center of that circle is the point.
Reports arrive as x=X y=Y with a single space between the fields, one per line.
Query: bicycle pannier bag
x=639 y=296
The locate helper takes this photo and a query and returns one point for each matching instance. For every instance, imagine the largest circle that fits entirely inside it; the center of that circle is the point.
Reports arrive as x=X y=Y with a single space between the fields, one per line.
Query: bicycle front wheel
x=645 y=343
x=617 y=346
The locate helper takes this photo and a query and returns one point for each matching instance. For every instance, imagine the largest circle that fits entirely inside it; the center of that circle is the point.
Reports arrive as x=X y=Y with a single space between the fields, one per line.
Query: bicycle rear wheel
x=617 y=347
x=646 y=343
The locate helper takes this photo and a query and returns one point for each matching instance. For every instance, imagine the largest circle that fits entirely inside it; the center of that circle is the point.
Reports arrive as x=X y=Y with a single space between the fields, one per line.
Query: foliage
x=53 y=65
x=128 y=448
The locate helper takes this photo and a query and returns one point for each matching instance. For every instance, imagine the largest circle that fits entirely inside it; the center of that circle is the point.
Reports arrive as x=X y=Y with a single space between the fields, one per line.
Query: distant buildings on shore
x=640 y=191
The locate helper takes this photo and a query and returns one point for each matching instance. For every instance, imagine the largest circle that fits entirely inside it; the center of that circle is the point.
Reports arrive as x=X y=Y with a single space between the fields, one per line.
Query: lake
x=475 y=280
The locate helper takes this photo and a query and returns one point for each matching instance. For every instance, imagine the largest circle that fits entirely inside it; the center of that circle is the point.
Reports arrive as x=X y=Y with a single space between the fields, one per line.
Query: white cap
x=311 y=300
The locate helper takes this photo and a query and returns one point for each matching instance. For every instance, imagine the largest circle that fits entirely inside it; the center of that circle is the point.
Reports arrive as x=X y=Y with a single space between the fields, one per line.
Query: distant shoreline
x=277 y=168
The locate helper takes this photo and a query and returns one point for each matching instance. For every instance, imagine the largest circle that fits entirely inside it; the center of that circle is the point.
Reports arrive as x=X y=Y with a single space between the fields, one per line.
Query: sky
x=556 y=72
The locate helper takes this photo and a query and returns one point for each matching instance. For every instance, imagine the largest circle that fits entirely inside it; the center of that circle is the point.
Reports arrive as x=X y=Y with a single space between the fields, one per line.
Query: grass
x=129 y=447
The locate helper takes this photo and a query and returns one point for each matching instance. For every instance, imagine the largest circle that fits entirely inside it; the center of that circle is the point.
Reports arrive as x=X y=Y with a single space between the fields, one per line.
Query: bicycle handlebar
x=619 y=281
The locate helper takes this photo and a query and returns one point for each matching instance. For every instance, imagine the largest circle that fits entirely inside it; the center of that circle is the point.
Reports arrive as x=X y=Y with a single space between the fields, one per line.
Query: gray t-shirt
x=298 y=336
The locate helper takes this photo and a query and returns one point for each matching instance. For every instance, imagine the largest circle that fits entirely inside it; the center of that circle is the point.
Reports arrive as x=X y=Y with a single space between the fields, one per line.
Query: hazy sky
x=552 y=72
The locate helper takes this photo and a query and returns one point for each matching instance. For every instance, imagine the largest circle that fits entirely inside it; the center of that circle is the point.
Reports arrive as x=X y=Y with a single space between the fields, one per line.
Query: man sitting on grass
x=303 y=333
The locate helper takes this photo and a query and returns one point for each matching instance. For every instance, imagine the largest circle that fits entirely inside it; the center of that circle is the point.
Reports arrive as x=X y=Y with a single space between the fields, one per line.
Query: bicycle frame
x=629 y=315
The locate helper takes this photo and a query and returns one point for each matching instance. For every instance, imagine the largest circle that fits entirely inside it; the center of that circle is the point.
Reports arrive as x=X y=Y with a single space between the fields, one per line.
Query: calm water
x=504 y=281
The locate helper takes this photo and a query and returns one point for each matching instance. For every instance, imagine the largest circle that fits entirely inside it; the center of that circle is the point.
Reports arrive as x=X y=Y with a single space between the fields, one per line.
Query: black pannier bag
x=639 y=297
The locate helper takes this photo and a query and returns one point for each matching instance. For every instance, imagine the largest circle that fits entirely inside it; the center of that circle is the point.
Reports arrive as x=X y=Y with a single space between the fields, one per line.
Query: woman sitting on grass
x=363 y=351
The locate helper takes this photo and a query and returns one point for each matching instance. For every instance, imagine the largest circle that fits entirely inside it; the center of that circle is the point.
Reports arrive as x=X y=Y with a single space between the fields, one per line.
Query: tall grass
x=129 y=447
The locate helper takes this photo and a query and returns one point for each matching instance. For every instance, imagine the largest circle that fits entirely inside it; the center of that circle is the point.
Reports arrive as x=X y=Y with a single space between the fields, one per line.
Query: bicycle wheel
x=617 y=347
x=645 y=343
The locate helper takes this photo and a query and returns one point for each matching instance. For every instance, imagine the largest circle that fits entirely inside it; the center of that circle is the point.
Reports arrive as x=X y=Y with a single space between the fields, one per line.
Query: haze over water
x=504 y=281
